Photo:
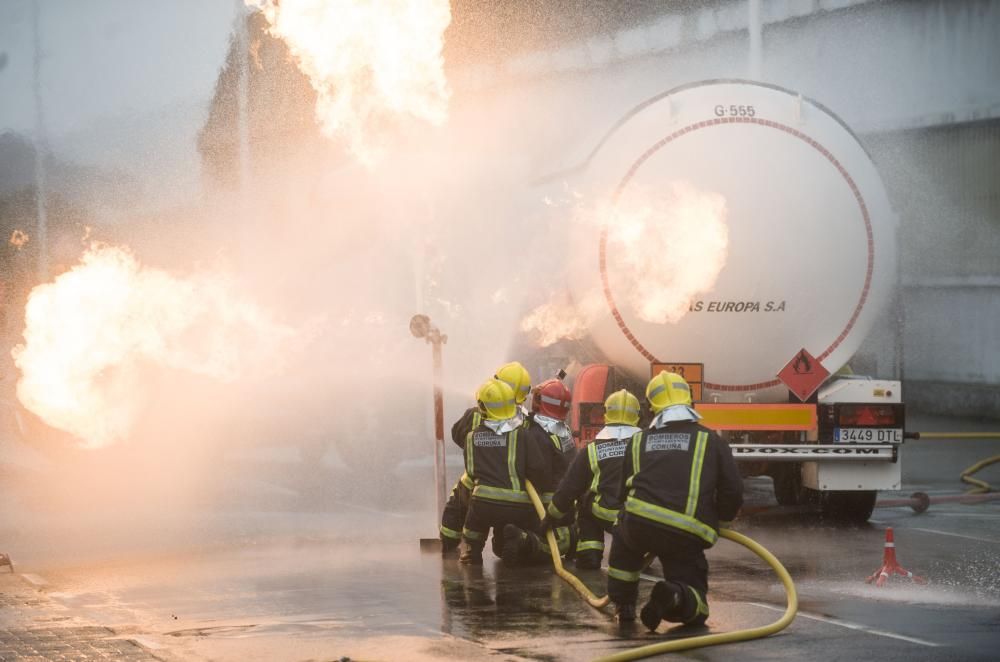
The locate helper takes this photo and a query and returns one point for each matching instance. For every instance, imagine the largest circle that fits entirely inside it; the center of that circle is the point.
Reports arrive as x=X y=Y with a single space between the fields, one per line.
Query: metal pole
x=755 y=30
x=41 y=150
x=242 y=45
x=242 y=98
x=439 y=448
x=421 y=327
x=900 y=355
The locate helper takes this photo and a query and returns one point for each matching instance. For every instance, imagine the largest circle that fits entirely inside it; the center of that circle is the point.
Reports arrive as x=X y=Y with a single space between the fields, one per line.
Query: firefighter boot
x=471 y=555
x=625 y=613
x=664 y=603
x=589 y=559
x=515 y=542
x=449 y=546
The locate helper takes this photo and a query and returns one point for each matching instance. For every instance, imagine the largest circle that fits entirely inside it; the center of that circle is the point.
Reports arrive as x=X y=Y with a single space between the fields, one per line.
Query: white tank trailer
x=811 y=264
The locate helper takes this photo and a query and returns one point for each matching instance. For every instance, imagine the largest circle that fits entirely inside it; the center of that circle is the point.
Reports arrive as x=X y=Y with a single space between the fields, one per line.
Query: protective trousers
x=453 y=516
x=592 y=529
x=682 y=558
x=535 y=547
x=484 y=515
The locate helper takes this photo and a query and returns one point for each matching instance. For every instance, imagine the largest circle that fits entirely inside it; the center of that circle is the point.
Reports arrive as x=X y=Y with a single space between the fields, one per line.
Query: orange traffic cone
x=890 y=565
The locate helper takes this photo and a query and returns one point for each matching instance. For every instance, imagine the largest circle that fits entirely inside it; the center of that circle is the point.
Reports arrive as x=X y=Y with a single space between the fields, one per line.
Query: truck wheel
x=849 y=507
x=787 y=484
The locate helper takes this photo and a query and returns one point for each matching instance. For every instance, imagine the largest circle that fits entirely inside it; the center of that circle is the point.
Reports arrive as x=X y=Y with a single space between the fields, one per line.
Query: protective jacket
x=559 y=449
x=469 y=421
x=681 y=476
x=498 y=463
x=594 y=477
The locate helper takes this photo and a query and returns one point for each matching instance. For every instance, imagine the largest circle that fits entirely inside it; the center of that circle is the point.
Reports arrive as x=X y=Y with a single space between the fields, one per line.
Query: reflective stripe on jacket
x=498 y=464
x=594 y=475
x=682 y=476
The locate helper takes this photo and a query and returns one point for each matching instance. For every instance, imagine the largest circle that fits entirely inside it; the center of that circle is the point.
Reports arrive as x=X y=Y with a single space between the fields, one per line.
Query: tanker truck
x=809 y=266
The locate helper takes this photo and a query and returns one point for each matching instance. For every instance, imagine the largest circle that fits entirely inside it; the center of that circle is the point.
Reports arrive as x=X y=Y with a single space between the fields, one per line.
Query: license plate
x=868 y=435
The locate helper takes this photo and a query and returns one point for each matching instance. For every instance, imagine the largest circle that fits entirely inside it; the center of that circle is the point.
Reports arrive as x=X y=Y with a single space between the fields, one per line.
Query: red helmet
x=551 y=398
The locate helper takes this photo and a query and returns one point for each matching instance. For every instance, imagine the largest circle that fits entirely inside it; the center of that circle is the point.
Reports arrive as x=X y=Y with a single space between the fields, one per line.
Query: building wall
x=945 y=185
x=917 y=80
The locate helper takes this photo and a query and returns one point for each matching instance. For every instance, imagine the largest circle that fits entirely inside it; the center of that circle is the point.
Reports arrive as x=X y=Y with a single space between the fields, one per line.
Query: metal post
x=440 y=479
x=900 y=309
x=41 y=150
x=421 y=327
x=242 y=98
x=755 y=30
x=241 y=42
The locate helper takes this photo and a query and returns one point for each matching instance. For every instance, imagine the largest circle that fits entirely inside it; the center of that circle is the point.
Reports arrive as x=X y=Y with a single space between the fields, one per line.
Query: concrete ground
x=284 y=563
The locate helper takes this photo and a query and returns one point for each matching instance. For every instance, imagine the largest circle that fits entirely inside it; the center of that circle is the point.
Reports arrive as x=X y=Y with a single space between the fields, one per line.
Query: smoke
x=251 y=354
x=290 y=383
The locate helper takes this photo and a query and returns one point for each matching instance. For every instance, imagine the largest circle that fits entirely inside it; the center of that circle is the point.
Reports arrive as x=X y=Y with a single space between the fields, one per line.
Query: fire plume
x=667 y=249
x=662 y=252
x=372 y=64
x=93 y=334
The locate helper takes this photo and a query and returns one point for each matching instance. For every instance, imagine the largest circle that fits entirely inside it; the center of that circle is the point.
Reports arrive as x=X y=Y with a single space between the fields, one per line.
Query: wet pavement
x=346 y=578
x=34 y=626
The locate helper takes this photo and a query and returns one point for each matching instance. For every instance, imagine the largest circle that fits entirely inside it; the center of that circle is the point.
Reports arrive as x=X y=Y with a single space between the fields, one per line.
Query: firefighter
x=550 y=405
x=679 y=483
x=500 y=454
x=594 y=478
x=453 y=518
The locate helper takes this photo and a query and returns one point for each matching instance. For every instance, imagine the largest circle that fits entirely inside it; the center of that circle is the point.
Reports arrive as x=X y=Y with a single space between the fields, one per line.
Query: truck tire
x=854 y=507
x=787 y=484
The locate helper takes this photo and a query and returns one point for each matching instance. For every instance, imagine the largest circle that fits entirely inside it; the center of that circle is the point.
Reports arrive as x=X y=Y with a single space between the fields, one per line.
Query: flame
x=662 y=250
x=92 y=333
x=18 y=239
x=371 y=63
x=667 y=249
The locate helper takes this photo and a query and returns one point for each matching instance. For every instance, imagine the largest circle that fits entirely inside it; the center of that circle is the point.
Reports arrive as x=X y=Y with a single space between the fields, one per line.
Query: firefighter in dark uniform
x=500 y=455
x=453 y=517
x=594 y=478
x=550 y=406
x=679 y=482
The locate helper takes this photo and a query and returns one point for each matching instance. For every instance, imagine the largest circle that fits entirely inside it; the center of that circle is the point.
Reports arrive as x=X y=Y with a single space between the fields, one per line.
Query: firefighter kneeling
x=594 y=478
x=679 y=482
x=500 y=453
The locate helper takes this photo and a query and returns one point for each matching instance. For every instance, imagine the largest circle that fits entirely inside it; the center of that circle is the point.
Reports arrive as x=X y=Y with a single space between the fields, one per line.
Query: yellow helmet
x=515 y=376
x=496 y=400
x=621 y=407
x=667 y=389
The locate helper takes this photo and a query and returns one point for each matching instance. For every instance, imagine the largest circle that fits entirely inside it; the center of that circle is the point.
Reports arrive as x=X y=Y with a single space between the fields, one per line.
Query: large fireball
x=90 y=334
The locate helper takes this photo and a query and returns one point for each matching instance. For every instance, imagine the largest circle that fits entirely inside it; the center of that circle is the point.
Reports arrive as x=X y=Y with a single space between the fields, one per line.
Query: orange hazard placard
x=803 y=374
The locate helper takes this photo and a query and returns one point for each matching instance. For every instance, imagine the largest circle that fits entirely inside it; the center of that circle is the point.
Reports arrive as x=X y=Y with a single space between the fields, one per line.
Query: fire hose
x=978 y=486
x=690 y=642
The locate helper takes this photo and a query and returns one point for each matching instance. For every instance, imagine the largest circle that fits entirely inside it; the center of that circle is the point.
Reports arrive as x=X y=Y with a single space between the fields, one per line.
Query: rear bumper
x=815 y=452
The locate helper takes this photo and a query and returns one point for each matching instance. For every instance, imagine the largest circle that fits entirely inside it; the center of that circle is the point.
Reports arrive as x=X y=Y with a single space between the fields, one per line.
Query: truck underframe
x=831 y=456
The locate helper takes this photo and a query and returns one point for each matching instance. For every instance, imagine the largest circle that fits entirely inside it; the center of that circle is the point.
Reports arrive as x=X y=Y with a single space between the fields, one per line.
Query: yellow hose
x=960 y=435
x=570 y=578
x=724 y=637
x=980 y=486
x=691 y=642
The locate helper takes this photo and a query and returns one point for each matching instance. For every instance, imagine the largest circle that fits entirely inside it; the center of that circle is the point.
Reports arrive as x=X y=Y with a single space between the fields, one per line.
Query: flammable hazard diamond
x=803 y=374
